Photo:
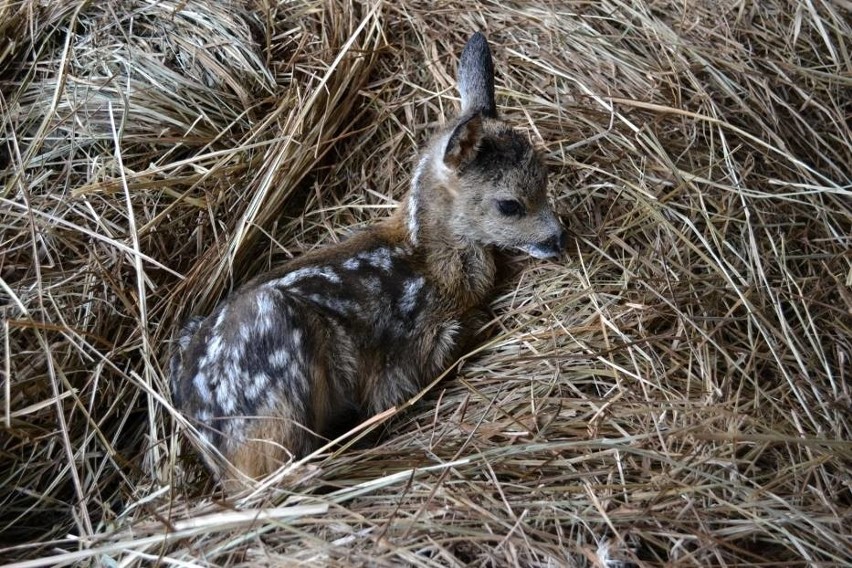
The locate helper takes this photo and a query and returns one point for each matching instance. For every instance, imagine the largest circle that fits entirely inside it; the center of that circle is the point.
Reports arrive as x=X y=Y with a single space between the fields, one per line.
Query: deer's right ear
x=464 y=142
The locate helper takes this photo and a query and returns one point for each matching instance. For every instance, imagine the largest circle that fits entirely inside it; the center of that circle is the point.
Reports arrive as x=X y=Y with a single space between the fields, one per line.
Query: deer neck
x=463 y=270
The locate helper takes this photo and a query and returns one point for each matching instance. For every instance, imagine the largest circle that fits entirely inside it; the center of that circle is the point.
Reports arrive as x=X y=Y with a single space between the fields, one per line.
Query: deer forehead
x=527 y=185
x=508 y=163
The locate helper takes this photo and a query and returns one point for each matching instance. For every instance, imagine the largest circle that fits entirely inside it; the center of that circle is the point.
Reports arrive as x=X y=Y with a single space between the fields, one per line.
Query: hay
x=675 y=391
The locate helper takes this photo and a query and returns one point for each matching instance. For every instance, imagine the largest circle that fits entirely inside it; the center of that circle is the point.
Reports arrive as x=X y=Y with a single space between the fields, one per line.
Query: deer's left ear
x=464 y=142
x=476 y=78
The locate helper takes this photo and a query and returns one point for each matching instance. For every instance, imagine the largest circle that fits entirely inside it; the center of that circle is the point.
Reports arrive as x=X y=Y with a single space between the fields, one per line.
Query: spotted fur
x=348 y=331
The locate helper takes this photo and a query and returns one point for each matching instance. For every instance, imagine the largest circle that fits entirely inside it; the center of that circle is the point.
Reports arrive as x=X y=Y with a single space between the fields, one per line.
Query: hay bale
x=675 y=391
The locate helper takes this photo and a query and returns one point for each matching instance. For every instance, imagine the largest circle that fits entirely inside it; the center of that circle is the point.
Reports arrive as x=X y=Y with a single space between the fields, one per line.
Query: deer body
x=353 y=329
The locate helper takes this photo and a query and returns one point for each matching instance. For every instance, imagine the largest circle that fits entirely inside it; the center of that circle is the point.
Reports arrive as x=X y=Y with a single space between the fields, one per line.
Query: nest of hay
x=675 y=391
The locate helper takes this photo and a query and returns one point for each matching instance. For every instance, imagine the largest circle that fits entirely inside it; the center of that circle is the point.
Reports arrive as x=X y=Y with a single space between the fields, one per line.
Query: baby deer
x=355 y=328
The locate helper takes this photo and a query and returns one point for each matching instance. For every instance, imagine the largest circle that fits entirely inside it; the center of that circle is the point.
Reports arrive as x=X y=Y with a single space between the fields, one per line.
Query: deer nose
x=555 y=243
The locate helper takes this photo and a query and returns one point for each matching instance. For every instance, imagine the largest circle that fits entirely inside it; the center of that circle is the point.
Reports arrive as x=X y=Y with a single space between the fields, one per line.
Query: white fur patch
x=265 y=310
x=379 y=258
x=226 y=394
x=325 y=272
x=411 y=289
x=279 y=358
x=352 y=264
x=214 y=351
x=221 y=317
x=342 y=307
x=245 y=335
x=257 y=385
x=441 y=173
x=414 y=200
x=199 y=381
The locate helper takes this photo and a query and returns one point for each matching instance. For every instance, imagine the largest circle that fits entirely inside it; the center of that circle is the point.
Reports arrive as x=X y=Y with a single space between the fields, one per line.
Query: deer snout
x=551 y=246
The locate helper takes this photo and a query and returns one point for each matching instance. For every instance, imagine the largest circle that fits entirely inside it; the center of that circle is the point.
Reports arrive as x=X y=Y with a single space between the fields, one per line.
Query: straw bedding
x=674 y=391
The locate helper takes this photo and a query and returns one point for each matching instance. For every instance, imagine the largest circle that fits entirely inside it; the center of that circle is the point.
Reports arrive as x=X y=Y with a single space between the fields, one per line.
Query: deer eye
x=510 y=208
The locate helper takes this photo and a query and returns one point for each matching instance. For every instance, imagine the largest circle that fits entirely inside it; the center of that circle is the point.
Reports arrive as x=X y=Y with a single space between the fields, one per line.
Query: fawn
x=358 y=327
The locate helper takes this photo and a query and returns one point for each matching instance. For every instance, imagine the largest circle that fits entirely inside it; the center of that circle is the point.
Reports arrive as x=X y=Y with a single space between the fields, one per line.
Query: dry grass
x=675 y=392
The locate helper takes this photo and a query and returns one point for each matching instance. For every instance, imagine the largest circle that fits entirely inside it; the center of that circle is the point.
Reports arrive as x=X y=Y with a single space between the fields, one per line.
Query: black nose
x=556 y=243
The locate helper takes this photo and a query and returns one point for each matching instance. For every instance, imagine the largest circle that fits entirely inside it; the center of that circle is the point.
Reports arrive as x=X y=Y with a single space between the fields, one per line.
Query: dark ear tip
x=477 y=37
x=478 y=44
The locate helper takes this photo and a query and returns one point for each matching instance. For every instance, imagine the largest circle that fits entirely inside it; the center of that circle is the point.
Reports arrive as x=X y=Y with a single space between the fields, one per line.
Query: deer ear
x=476 y=78
x=464 y=142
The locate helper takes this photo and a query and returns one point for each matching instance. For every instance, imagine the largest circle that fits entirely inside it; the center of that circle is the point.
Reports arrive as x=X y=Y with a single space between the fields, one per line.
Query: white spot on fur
x=325 y=272
x=245 y=335
x=351 y=264
x=220 y=318
x=235 y=351
x=226 y=401
x=255 y=387
x=226 y=393
x=379 y=258
x=199 y=381
x=296 y=338
x=279 y=358
x=411 y=289
x=214 y=350
x=186 y=338
x=342 y=307
x=265 y=311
